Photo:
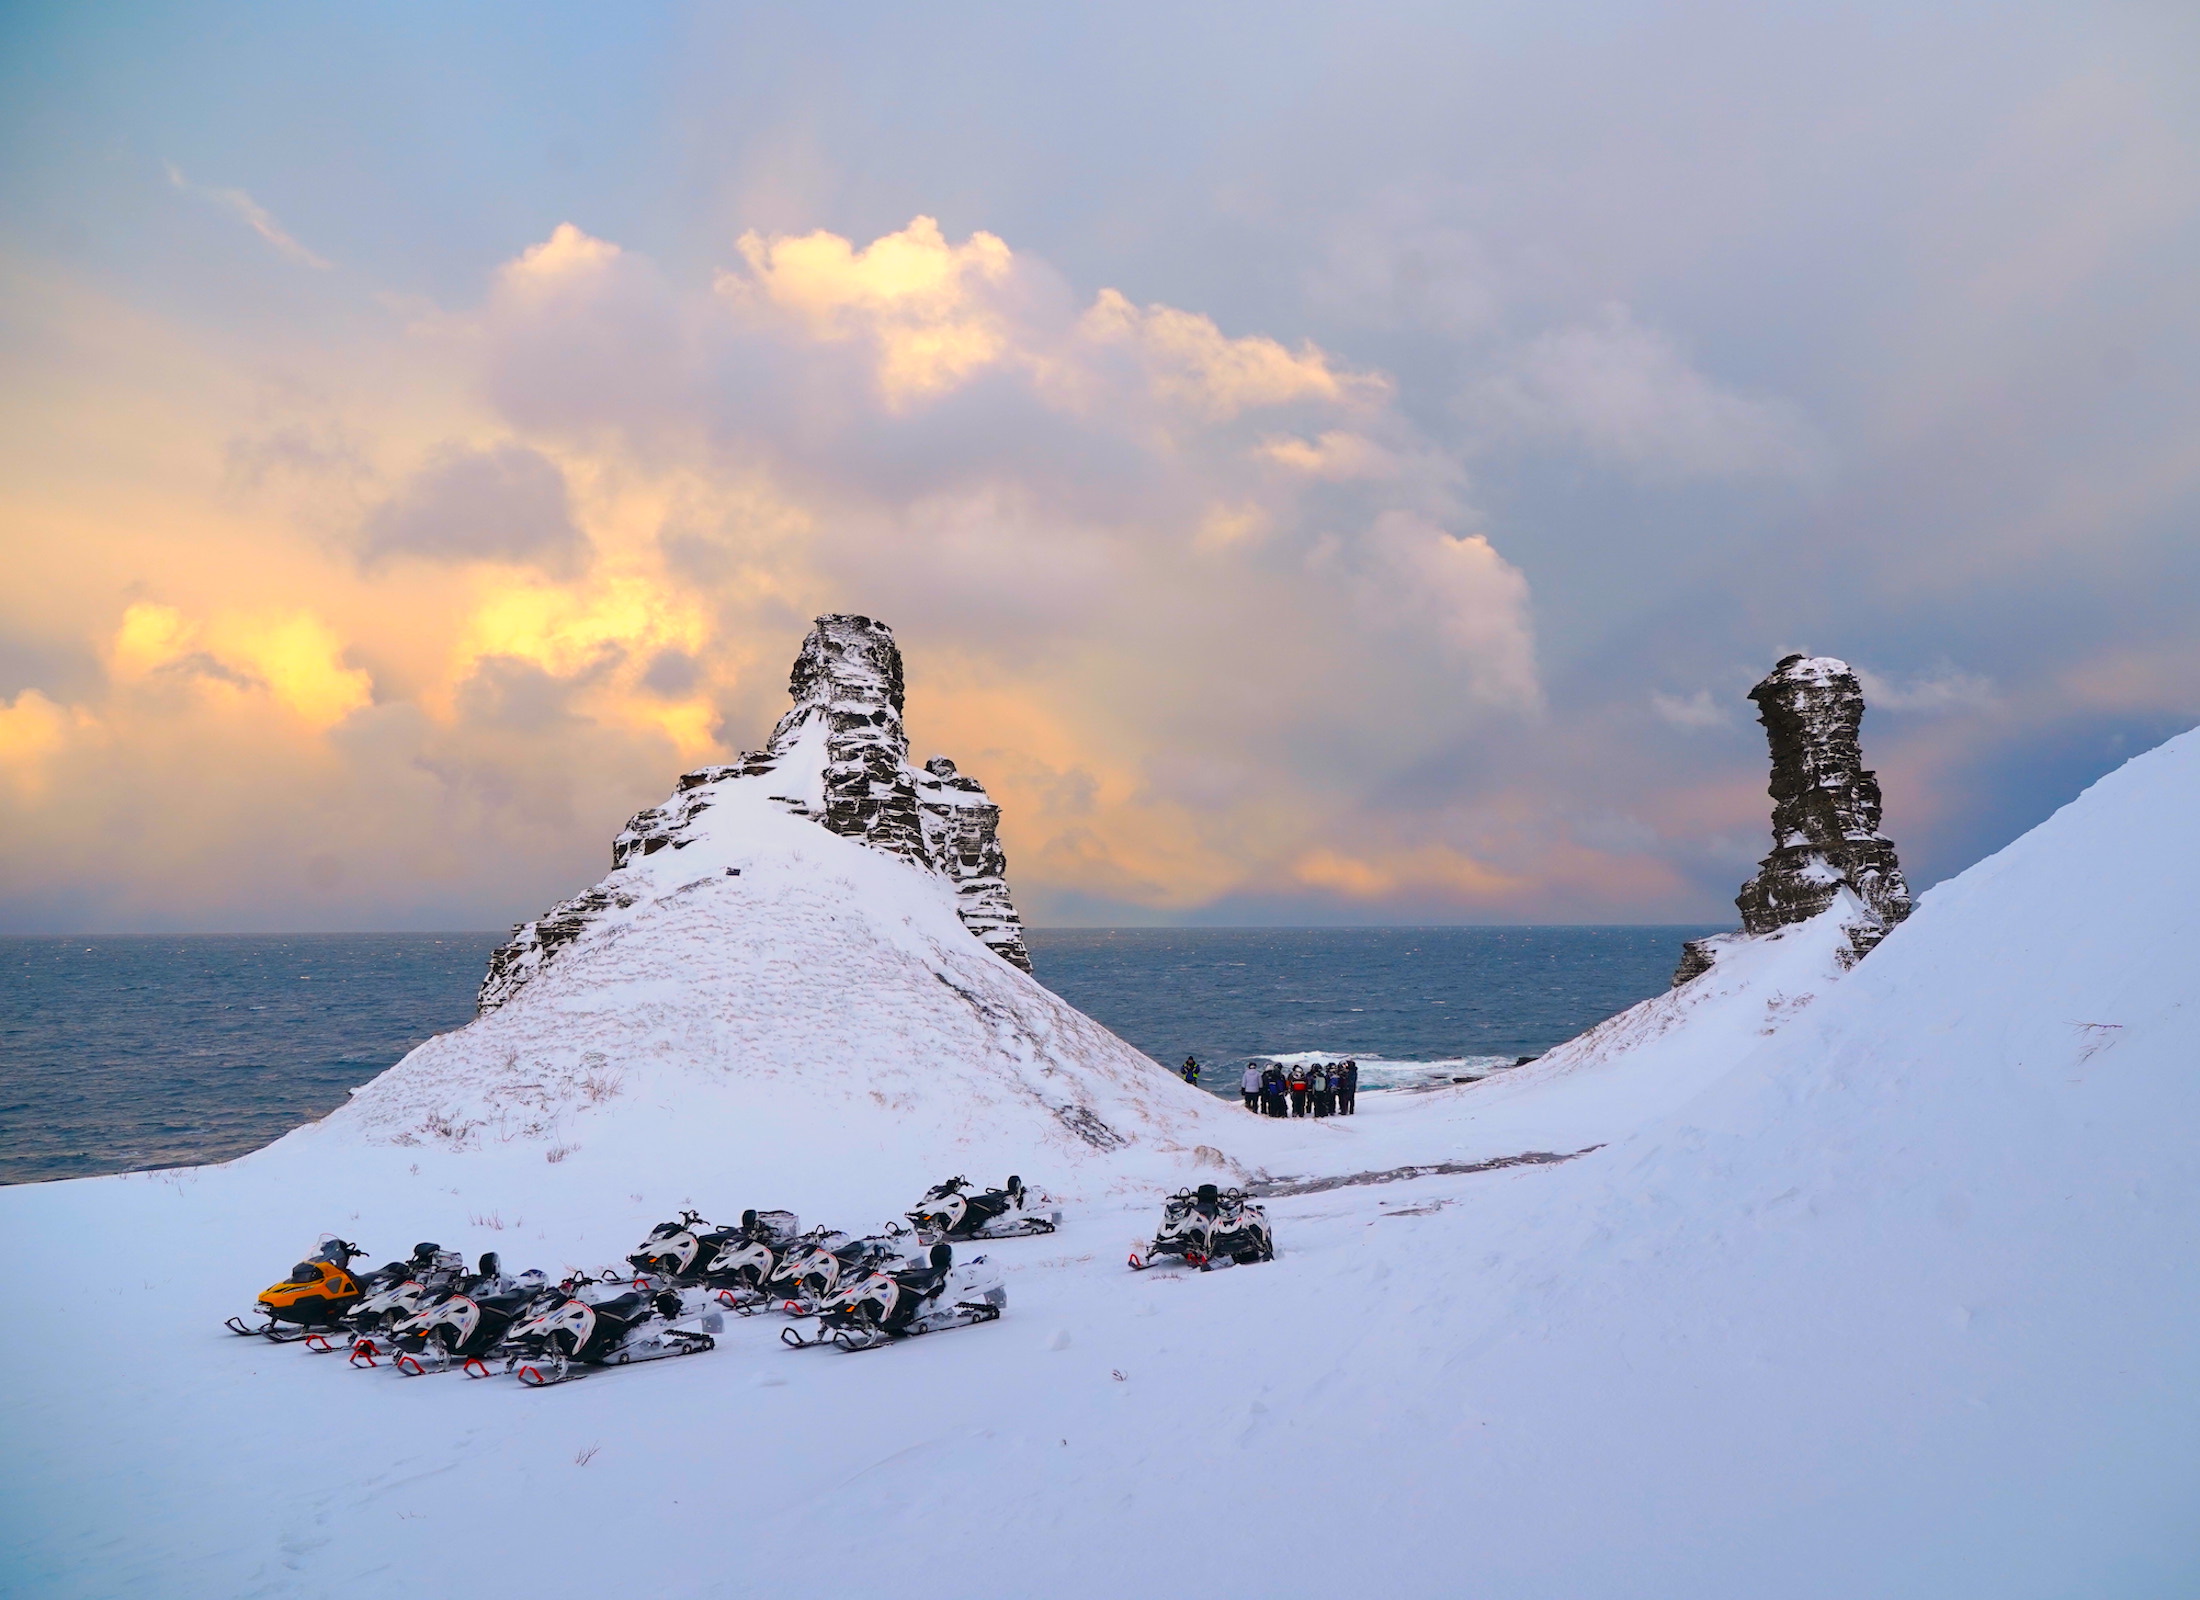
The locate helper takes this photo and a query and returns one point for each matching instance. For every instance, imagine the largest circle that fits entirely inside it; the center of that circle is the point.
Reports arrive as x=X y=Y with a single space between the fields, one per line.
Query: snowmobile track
x=1276 y=1188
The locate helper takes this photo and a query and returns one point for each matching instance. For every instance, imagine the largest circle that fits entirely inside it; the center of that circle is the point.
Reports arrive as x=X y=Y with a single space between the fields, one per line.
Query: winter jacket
x=1251 y=1081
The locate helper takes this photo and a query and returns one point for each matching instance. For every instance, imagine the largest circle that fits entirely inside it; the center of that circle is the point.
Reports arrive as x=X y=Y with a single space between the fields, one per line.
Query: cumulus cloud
x=1630 y=396
x=921 y=300
x=504 y=503
x=1115 y=537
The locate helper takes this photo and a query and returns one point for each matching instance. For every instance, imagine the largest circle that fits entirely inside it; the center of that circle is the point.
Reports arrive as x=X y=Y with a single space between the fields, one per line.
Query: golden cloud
x=1192 y=363
x=296 y=658
x=920 y=298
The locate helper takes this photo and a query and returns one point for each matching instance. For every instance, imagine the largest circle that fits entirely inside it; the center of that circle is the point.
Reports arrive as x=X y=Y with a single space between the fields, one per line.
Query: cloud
x=254 y=216
x=1188 y=361
x=1631 y=397
x=294 y=658
x=1115 y=539
x=1944 y=689
x=1690 y=714
x=1336 y=455
x=921 y=300
x=503 y=503
x=33 y=730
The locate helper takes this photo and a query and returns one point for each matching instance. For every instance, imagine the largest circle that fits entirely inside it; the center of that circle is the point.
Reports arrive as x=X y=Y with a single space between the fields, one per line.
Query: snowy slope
x=762 y=984
x=1894 y=1299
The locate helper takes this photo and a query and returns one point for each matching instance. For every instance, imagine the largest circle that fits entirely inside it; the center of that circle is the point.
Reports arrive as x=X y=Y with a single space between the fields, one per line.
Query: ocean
x=120 y=1054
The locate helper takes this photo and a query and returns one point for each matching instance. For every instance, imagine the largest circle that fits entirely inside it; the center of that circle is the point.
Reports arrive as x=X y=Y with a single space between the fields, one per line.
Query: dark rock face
x=962 y=839
x=848 y=677
x=1825 y=815
x=845 y=726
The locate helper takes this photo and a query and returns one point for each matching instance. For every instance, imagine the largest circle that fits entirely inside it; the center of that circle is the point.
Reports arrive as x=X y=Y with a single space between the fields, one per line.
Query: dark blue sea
x=118 y=1054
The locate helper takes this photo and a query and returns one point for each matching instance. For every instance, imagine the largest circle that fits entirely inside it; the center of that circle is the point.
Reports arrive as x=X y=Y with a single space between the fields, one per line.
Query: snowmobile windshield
x=305 y=1272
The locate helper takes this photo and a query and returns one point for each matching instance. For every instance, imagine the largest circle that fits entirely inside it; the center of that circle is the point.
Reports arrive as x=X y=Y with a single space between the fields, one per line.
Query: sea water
x=119 y=1054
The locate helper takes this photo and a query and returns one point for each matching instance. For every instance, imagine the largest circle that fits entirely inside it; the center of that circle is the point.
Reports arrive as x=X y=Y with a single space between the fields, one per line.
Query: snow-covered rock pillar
x=1825 y=814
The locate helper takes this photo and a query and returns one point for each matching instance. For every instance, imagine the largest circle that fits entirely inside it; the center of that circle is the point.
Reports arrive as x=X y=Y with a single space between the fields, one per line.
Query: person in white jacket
x=1249 y=1086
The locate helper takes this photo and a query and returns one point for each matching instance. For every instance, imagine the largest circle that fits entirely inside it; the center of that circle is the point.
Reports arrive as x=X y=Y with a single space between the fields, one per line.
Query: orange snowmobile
x=312 y=1300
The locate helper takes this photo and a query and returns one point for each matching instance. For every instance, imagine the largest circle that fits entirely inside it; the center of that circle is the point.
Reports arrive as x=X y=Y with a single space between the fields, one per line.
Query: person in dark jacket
x=1272 y=1090
x=1348 y=1088
x=1191 y=1071
x=1298 y=1091
x=1317 y=1091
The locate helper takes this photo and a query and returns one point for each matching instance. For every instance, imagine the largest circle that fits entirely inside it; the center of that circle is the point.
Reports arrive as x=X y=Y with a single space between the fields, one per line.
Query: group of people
x=1317 y=1089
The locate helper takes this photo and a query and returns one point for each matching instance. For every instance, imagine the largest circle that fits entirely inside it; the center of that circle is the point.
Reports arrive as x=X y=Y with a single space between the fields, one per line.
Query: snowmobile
x=579 y=1336
x=745 y=1263
x=950 y=1211
x=314 y=1300
x=818 y=1265
x=1209 y=1228
x=682 y=1249
x=430 y=1275
x=920 y=1299
x=465 y=1328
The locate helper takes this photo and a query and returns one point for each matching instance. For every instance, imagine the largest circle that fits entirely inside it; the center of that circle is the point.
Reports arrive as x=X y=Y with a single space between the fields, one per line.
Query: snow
x=1875 y=1283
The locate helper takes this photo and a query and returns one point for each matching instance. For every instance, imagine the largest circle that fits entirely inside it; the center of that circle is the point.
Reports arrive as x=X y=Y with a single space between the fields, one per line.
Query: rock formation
x=839 y=757
x=1825 y=816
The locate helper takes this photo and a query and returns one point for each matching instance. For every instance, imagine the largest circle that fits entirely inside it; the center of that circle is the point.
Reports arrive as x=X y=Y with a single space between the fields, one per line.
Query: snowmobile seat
x=628 y=1307
x=927 y=1279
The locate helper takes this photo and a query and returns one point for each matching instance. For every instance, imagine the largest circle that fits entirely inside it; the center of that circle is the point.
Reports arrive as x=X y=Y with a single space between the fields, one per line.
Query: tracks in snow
x=1276 y=1188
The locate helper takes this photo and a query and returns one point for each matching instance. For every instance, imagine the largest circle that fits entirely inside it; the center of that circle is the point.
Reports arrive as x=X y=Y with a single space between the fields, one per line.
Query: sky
x=1332 y=464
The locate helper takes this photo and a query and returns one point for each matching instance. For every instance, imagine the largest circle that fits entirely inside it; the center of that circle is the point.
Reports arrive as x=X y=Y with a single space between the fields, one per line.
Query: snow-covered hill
x=1880 y=1283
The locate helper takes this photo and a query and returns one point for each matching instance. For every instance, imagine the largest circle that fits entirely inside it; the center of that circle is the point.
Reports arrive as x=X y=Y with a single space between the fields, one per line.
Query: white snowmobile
x=466 y=1326
x=682 y=1250
x=744 y=1264
x=579 y=1337
x=951 y=1211
x=918 y=1299
x=1209 y=1228
x=431 y=1275
x=819 y=1265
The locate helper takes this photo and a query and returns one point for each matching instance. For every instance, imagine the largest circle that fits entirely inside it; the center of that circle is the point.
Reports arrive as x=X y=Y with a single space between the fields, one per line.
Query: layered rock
x=962 y=839
x=1826 y=843
x=840 y=758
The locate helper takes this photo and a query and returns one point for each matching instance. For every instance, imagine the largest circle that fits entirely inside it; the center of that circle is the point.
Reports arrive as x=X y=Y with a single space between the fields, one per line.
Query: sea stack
x=839 y=758
x=1826 y=843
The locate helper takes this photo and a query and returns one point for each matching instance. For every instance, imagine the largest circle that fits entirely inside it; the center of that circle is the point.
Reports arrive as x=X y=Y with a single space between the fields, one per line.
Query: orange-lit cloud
x=443 y=618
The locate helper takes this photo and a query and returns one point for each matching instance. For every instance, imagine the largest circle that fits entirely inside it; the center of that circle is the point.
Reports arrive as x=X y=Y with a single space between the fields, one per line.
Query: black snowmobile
x=681 y=1251
x=919 y=1299
x=744 y=1264
x=407 y=1288
x=466 y=1325
x=314 y=1300
x=1209 y=1228
x=950 y=1211
x=579 y=1336
x=820 y=1264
